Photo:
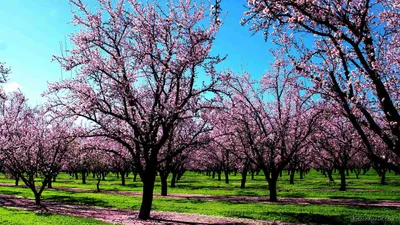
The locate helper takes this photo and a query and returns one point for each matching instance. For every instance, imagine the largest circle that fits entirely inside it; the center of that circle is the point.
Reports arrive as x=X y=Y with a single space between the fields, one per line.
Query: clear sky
x=31 y=31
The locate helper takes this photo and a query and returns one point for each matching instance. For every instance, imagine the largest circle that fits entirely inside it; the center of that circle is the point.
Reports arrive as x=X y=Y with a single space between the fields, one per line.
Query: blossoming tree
x=137 y=75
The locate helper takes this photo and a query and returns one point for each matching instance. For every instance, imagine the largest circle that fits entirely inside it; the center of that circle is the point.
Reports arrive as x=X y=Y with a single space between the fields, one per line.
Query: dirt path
x=249 y=199
x=121 y=216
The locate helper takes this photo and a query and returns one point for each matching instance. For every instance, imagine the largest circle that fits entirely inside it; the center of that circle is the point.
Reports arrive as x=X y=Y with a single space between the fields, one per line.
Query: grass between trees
x=9 y=216
x=314 y=185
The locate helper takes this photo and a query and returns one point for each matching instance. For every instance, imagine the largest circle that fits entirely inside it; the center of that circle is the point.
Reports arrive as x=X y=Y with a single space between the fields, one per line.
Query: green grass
x=314 y=185
x=9 y=216
x=288 y=212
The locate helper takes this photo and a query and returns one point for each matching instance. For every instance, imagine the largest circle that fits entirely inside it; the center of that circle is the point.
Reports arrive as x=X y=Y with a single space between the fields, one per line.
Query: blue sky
x=31 y=31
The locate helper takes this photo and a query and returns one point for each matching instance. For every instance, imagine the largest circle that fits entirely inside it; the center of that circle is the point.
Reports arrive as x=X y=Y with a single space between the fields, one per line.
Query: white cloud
x=11 y=87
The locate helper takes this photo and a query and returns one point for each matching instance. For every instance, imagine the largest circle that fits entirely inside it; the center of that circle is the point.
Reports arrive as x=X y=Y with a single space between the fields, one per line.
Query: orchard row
x=148 y=97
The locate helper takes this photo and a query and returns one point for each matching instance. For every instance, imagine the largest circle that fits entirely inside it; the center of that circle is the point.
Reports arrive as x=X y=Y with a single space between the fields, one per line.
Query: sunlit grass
x=10 y=216
x=314 y=185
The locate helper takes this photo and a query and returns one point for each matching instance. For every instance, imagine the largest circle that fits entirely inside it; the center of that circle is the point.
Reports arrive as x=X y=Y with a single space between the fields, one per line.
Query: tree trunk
x=243 y=181
x=16 y=180
x=226 y=177
x=123 y=178
x=134 y=176
x=55 y=177
x=164 y=183
x=213 y=174
x=330 y=175
x=219 y=175
x=147 y=197
x=301 y=174
x=98 y=184
x=342 y=180
x=383 y=177
x=252 y=175
x=76 y=176
x=272 y=189
x=180 y=174
x=49 y=183
x=83 y=177
x=292 y=176
x=37 y=198
x=357 y=172
x=173 y=181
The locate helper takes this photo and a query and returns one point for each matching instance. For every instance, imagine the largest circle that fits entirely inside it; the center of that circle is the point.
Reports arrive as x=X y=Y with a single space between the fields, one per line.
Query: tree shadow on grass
x=294 y=195
x=363 y=199
x=78 y=200
x=316 y=218
x=296 y=217
x=7 y=192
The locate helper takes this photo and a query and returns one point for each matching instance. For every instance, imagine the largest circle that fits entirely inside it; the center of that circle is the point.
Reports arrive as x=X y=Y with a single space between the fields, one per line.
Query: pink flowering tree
x=273 y=119
x=349 y=52
x=184 y=139
x=222 y=153
x=33 y=142
x=4 y=72
x=137 y=75
x=336 y=142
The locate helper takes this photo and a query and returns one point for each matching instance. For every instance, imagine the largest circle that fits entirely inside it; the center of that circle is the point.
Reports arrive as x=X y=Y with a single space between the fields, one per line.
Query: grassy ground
x=10 y=216
x=313 y=185
x=289 y=212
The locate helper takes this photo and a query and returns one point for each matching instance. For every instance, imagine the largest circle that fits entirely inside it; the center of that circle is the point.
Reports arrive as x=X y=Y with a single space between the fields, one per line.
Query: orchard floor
x=311 y=200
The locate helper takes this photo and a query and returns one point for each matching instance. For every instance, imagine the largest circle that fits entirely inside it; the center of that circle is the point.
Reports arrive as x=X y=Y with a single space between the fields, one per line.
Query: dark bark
x=147 y=197
x=342 y=180
x=123 y=178
x=134 y=176
x=37 y=198
x=226 y=176
x=357 y=171
x=16 y=180
x=164 y=183
x=292 y=171
x=383 y=177
x=49 y=183
x=98 y=184
x=243 y=181
x=219 y=175
x=180 y=174
x=330 y=175
x=272 y=190
x=173 y=181
x=76 y=176
x=83 y=177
